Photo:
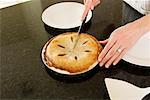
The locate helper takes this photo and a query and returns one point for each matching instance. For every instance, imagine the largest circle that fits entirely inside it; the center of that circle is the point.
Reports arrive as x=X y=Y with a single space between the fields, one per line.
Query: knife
x=79 y=32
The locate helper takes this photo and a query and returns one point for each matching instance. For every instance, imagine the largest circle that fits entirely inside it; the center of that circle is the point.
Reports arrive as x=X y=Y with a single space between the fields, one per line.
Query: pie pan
x=64 y=17
x=61 y=74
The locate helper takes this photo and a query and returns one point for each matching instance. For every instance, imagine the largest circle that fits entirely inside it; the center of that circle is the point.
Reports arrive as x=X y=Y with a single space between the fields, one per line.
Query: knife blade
x=79 y=31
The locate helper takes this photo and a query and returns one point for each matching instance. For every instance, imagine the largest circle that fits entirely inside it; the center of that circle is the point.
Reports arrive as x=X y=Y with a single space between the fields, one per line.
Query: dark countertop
x=22 y=72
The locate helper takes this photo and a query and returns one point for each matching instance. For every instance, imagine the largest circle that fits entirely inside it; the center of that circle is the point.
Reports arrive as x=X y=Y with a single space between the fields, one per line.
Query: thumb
x=104 y=41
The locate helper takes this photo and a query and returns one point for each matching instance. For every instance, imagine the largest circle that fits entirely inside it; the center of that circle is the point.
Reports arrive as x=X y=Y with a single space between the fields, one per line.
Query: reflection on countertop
x=23 y=75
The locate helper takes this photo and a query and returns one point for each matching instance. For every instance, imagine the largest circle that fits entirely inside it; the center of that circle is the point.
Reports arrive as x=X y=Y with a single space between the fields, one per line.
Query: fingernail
x=114 y=63
x=101 y=64
x=107 y=66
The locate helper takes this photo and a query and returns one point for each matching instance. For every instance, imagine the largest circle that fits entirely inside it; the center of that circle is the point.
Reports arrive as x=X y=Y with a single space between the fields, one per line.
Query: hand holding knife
x=89 y=5
x=83 y=19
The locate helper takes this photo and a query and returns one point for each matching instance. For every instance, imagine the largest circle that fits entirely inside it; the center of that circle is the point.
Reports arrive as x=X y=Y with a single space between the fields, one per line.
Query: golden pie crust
x=60 y=54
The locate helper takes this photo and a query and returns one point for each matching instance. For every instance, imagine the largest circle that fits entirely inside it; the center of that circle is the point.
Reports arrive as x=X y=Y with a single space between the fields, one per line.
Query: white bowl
x=64 y=15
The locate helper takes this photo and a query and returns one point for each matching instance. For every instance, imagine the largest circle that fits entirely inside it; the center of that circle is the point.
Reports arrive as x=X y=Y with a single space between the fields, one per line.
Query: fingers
x=92 y=7
x=110 y=54
x=120 y=57
x=104 y=41
x=89 y=5
x=87 y=8
x=116 y=55
x=108 y=46
x=84 y=1
x=114 y=59
x=96 y=2
x=111 y=60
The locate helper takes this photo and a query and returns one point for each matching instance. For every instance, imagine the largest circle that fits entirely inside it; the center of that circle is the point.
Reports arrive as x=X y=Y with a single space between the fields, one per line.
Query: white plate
x=140 y=53
x=59 y=70
x=122 y=90
x=8 y=3
x=64 y=15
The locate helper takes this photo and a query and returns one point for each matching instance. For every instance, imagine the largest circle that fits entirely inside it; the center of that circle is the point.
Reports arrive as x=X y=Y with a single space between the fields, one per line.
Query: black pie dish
x=65 y=76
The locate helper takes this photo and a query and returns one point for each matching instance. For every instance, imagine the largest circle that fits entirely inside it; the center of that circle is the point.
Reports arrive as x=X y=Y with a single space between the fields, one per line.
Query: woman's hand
x=121 y=40
x=89 y=5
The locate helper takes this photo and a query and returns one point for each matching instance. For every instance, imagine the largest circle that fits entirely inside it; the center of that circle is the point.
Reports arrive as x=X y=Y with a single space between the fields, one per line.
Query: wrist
x=142 y=25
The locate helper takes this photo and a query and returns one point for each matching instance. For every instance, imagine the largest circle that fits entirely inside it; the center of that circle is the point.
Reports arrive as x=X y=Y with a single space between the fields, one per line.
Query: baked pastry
x=60 y=54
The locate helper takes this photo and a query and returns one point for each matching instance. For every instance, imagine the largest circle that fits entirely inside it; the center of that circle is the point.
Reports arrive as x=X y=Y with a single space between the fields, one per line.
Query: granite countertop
x=23 y=75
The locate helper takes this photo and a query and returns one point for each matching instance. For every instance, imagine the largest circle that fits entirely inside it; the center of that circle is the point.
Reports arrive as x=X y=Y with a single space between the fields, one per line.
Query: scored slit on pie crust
x=60 y=53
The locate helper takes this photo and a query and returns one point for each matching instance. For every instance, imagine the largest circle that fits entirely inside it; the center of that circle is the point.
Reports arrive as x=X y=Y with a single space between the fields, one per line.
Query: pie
x=61 y=53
